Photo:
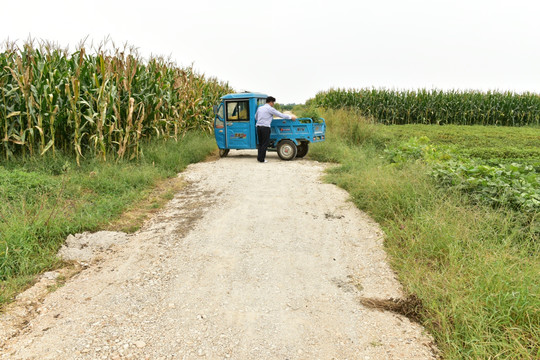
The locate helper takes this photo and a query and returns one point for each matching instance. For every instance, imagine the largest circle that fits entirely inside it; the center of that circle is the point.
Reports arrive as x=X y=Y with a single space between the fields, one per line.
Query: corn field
x=102 y=104
x=436 y=106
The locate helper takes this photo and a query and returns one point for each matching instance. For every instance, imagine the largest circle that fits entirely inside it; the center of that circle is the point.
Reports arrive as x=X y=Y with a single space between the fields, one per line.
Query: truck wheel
x=223 y=152
x=286 y=150
x=302 y=149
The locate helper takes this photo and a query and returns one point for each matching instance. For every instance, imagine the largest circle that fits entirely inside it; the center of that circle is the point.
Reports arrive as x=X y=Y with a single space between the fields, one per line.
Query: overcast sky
x=293 y=49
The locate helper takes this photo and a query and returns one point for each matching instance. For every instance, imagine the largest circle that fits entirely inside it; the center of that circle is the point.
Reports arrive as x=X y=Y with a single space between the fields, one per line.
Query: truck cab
x=234 y=127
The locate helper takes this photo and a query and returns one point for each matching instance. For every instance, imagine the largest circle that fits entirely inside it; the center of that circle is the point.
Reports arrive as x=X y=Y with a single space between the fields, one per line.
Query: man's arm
x=277 y=113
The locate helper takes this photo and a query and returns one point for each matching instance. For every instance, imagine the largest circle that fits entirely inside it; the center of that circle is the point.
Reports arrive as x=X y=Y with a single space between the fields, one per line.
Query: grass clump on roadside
x=43 y=200
x=473 y=264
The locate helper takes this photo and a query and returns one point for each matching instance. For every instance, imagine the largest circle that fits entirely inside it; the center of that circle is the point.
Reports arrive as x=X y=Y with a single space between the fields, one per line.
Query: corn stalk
x=98 y=105
x=437 y=106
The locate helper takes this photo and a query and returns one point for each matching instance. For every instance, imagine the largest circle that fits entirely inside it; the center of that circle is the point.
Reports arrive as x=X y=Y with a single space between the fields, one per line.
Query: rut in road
x=249 y=261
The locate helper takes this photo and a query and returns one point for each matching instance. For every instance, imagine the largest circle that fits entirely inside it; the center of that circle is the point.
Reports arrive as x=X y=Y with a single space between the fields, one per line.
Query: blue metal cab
x=234 y=128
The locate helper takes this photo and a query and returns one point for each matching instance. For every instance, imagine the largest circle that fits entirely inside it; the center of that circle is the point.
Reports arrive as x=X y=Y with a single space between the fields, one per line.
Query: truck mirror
x=215 y=109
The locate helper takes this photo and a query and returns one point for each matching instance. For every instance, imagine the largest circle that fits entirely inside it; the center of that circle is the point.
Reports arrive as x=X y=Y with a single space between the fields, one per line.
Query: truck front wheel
x=287 y=150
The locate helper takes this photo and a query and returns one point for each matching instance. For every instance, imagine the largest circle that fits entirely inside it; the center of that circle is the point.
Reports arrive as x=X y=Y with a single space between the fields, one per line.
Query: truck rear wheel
x=287 y=150
x=302 y=149
x=223 y=152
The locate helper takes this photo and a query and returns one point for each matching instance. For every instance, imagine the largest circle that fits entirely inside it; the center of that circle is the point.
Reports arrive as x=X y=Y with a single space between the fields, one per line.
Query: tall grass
x=474 y=267
x=436 y=106
x=101 y=103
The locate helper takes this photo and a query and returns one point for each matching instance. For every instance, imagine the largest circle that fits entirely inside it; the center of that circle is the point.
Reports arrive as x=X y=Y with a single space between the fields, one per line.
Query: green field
x=436 y=107
x=97 y=104
x=490 y=143
x=473 y=262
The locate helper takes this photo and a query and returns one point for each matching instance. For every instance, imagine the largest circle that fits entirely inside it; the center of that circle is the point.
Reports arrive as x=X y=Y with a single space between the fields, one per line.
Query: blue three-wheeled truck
x=234 y=128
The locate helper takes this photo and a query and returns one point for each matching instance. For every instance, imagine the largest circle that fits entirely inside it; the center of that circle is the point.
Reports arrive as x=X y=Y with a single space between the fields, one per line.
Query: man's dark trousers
x=263 y=133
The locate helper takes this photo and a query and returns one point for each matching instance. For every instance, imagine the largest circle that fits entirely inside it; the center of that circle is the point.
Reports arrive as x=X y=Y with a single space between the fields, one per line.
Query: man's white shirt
x=266 y=113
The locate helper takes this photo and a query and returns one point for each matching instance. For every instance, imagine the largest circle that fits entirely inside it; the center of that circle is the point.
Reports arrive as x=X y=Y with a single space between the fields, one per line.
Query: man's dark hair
x=270 y=99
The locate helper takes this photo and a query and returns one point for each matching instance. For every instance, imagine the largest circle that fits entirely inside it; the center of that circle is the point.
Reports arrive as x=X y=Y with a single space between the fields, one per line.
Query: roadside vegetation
x=460 y=207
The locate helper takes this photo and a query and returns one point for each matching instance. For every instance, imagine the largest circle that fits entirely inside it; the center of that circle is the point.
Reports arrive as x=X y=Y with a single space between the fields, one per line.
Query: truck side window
x=238 y=110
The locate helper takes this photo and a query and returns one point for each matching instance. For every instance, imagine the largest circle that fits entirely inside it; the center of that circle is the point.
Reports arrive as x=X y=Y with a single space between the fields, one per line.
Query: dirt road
x=249 y=261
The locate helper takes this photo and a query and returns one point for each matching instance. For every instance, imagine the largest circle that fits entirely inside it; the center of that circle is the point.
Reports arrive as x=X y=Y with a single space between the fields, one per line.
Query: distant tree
x=285 y=107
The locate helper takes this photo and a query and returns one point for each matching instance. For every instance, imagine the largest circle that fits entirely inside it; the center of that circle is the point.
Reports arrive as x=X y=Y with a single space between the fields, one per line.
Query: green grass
x=474 y=266
x=44 y=200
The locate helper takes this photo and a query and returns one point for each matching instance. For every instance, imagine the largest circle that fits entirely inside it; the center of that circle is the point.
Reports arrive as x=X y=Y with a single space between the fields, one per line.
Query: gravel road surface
x=248 y=261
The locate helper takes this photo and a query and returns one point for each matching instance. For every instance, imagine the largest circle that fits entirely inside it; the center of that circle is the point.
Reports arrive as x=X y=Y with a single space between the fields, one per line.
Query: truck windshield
x=238 y=110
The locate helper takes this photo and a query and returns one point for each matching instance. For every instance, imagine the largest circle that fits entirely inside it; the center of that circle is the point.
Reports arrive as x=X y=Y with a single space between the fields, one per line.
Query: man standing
x=264 y=117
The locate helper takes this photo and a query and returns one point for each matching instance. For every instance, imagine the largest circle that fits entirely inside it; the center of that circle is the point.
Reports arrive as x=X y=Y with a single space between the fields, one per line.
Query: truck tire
x=223 y=152
x=303 y=149
x=286 y=150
